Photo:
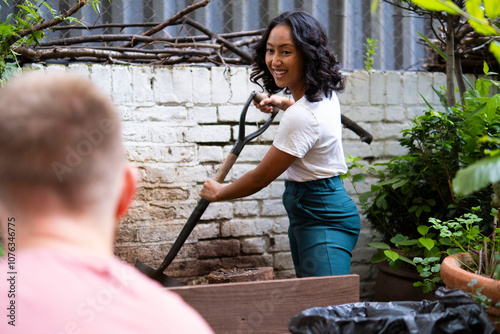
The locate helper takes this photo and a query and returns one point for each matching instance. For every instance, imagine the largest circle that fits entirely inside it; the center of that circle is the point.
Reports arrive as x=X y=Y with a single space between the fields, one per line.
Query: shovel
x=157 y=274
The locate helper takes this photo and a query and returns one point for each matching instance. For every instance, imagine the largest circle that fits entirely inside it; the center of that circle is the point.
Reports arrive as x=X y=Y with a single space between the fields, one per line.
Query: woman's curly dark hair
x=322 y=69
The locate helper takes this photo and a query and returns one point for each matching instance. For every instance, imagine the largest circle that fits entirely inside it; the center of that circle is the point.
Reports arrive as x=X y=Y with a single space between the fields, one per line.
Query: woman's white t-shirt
x=312 y=132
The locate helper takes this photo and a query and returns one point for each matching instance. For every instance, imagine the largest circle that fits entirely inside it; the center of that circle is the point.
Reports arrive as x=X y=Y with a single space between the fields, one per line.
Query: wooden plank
x=266 y=306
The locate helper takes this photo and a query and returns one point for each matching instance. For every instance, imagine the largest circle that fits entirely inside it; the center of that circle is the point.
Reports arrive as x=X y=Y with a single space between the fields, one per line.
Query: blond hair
x=58 y=132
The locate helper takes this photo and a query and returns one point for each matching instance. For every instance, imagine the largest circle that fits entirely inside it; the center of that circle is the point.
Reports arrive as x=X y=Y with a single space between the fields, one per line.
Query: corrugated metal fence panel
x=348 y=24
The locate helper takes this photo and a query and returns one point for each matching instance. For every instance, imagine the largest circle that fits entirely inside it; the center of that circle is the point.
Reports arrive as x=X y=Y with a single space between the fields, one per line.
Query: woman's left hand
x=280 y=102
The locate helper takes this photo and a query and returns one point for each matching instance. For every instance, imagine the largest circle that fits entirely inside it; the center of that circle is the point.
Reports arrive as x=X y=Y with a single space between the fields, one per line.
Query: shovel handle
x=225 y=168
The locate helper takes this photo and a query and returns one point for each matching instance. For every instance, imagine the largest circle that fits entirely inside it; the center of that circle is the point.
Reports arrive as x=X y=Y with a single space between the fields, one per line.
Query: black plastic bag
x=452 y=312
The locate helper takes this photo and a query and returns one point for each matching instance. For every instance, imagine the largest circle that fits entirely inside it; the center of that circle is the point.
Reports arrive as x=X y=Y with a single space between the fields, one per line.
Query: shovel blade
x=153 y=273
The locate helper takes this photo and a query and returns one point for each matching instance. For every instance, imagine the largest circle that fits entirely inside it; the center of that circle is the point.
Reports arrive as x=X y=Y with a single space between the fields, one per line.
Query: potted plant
x=476 y=268
x=417 y=186
x=410 y=264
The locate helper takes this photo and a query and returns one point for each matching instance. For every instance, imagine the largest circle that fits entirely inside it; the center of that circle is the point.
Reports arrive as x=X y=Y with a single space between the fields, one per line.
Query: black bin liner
x=452 y=312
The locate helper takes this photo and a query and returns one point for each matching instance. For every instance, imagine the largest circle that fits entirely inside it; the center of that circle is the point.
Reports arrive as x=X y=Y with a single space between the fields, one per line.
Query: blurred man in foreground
x=64 y=183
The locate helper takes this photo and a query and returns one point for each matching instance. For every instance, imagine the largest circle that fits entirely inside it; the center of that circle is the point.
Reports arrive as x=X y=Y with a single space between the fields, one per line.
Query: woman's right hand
x=210 y=189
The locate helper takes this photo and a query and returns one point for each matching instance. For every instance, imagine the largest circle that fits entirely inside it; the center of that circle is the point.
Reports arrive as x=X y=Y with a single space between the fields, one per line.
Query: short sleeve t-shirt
x=312 y=132
x=61 y=292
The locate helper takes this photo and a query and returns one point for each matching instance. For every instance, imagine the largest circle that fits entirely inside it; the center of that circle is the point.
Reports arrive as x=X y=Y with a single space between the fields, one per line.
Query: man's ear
x=130 y=179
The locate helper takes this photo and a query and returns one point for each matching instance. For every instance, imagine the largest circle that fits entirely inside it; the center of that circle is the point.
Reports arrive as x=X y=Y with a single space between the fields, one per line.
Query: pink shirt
x=58 y=293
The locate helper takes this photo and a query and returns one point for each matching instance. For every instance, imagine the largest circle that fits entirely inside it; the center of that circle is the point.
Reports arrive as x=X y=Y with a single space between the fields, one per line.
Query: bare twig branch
x=230 y=46
x=226 y=35
x=58 y=53
x=105 y=26
x=106 y=52
x=148 y=39
x=99 y=38
x=121 y=37
x=210 y=47
x=170 y=21
x=247 y=41
x=172 y=51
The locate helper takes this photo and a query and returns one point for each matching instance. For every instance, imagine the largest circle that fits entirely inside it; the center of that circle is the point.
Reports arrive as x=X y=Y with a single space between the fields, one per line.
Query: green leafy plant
x=482 y=250
x=414 y=187
x=440 y=239
x=481 y=15
x=414 y=191
x=27 y=26
x=478 y=296
x=466 y=236
x=418 y=185
x=424 y=252
x=370 y=47
x=469 y=180
x=452 y=24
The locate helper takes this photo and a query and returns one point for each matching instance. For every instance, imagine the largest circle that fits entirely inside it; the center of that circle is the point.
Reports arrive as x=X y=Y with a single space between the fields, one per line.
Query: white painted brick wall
x=202 y=92
x=378 y=90
x=121 y=83
x=142 y=78
x=180 y=122
x=163 y=85
x=410 y=86
x=253 y=245
x=246 y=208
x=394 y=88
x=101 y=77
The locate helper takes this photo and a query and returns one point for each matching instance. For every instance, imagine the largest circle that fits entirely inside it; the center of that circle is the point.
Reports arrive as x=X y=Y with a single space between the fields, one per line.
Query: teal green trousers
x=324 y=226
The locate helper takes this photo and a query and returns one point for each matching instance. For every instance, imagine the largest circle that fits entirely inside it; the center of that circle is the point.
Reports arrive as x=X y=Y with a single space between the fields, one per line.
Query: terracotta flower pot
x=454 y=277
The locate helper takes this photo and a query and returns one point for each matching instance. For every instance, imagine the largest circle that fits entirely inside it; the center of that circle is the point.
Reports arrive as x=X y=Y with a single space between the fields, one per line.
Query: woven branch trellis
x=151 y=47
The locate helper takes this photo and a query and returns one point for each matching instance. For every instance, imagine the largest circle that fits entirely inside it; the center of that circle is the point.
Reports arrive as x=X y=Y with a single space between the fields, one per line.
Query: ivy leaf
x=491 y=108
x=358 y=178
x=364 y=197
x=407 y=242
x=495 y=49
x=379 y=257
x=407 y=260
x=391 y=255
x=427 y=243
x=483 y=86
x=478 y=22
x=486 y=68
x=6 y=29
x=400 y=183
x=423 y=229
x=438 y=6
x=492 y=8
x=379 y=245
x=477 y=176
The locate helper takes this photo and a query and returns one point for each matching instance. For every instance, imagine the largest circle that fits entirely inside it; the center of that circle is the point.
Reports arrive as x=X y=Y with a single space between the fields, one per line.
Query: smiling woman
x=293 y=55
x=285 y=62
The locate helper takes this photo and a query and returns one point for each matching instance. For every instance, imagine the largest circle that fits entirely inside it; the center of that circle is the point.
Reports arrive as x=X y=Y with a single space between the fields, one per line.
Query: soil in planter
x=223 y=275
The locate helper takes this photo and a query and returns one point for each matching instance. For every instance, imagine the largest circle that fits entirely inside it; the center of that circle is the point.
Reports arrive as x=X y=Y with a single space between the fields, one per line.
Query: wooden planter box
x=266 y=306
